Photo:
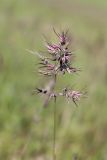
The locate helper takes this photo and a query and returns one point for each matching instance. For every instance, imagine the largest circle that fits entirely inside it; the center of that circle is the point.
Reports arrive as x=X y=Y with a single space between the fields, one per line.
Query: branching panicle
x=59 y=61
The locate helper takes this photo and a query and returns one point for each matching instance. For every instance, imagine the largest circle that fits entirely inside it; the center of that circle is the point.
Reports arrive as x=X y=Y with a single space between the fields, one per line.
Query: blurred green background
x=26 y=128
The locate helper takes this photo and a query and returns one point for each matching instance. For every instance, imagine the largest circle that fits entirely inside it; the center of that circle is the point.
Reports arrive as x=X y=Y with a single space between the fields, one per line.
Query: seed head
x=59 y=61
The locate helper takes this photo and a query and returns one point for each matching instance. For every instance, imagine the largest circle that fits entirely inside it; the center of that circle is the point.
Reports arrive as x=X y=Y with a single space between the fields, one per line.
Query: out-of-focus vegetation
x=26 y=129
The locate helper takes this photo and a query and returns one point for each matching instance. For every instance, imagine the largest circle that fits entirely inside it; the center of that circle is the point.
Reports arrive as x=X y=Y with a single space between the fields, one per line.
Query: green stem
x=54 y=132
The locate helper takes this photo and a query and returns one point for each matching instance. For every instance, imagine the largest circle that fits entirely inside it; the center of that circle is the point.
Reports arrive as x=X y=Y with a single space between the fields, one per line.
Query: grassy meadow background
x=26 y=128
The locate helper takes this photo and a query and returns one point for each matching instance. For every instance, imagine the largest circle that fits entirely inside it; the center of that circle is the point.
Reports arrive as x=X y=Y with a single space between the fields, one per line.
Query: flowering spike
x=60 y=61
